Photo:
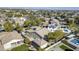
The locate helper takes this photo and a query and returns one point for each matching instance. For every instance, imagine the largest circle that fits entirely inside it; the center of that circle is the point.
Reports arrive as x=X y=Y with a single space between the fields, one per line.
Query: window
x=13 y=44
x=18 y=42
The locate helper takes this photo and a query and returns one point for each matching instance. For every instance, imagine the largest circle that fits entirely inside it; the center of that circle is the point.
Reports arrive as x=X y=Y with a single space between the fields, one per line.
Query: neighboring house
x=10 y=39
x=2 y=20
x=54 y=25
x=1 y=28
x=63 y=23
x=19 y=20
x=47 y=19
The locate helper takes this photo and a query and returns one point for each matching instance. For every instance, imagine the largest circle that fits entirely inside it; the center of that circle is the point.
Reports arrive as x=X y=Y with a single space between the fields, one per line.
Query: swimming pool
x=66 y=30
x=75 y=41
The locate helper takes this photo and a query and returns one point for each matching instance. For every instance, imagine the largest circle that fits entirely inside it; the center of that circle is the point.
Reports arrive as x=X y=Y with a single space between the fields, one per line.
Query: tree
x=18 y=28
x=27 y=23
x=72 y=25
x=9 y=14
x=76 y=20
x=8 y=26
x=39 y=20
x=33 y=23
x=18 y=15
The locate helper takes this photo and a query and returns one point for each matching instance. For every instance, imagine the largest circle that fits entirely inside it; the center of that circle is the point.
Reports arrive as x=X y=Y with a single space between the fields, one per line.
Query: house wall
x=34 y=44
x=19 y=20
x=43 y=46
x=9 y=46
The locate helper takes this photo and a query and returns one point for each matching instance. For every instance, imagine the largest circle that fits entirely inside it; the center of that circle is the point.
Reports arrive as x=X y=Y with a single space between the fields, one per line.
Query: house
x=2 y=19
x=43 y=32
x=19 y=20
x=37 y=37
x=40 y=43
x=63 y=23
x=54 y=25
x=47 y=19
x=10 y=39
x=1 y=28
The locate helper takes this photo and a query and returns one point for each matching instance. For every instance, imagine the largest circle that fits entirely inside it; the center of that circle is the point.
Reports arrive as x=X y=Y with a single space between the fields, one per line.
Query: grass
x=21 y=48
x=65 y=48
x=57 y=35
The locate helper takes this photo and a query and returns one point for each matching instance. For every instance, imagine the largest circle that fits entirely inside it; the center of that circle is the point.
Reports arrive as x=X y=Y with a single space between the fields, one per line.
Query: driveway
x=56 y=48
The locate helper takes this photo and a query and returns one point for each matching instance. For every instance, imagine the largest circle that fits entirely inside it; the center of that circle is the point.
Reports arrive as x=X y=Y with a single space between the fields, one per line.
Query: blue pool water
x=65 y=30
x=75 y=41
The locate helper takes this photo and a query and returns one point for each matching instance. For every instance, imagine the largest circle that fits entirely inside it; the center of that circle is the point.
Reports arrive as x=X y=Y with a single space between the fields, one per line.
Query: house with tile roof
x=10 y=40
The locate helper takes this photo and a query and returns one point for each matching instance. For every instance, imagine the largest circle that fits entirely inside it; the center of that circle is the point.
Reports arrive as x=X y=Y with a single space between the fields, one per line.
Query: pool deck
x=72 y=42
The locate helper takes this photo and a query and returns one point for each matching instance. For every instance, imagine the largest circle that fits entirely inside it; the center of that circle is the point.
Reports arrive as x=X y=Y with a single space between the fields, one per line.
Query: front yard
x=23 y=47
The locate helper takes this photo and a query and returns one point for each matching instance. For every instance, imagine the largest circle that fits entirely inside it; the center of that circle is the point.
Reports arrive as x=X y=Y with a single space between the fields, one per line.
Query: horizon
x=43 y=8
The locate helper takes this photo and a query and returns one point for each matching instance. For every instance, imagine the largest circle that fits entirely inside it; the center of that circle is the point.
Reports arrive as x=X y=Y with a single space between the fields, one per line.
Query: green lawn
x=21 y=48
x=57 y=35
x=65 y=48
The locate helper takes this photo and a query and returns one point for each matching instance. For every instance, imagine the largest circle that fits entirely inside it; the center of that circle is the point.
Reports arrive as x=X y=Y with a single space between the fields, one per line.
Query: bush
x=26 y=41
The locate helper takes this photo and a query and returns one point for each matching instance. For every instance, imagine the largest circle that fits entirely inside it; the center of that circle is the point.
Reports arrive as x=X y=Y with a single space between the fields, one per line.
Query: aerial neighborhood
x=39 y=30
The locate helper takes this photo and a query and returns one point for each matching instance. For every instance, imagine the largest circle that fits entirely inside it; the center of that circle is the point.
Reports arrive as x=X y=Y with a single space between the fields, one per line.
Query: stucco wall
x=43 y=46
x=8 y=45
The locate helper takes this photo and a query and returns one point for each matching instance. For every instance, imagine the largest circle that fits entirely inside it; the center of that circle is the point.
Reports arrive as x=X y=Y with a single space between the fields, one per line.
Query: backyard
x=57 y=35
x=65 y=48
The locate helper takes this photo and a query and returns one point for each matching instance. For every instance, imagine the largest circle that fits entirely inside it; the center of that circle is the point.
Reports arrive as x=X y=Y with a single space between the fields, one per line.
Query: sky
x=39 y=3
x=47 y=4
